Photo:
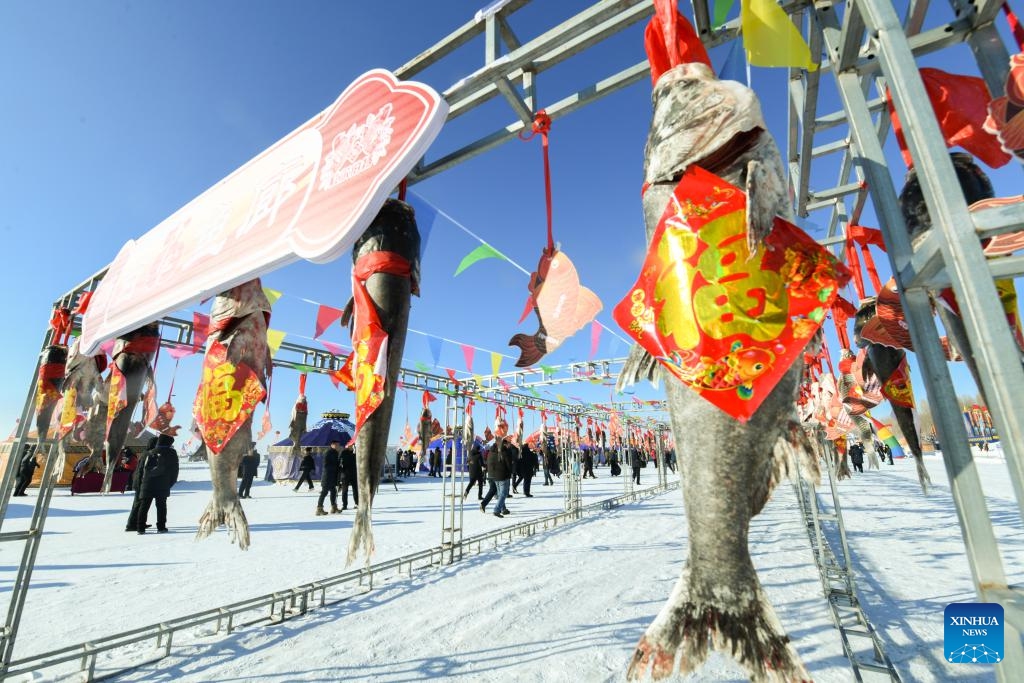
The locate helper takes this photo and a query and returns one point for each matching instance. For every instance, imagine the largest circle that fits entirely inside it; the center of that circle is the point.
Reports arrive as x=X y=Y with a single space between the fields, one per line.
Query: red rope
x=1015 y=27
x=174 y=373
x=542 y=125
x=854 y=263
x=402 y=187
x=828 y=357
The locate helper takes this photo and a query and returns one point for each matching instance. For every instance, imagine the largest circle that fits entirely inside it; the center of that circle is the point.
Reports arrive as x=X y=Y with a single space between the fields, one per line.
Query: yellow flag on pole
x=770 y=38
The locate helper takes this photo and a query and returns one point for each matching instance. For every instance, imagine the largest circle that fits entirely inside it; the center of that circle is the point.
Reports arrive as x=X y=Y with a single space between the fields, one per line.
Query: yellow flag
x=274 y=339
x=770 y=38
x=479 y=380
x=272 y=295
x=495 y=363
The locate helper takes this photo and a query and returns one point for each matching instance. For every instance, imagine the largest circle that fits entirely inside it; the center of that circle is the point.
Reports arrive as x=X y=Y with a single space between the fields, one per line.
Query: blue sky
x=117 y=114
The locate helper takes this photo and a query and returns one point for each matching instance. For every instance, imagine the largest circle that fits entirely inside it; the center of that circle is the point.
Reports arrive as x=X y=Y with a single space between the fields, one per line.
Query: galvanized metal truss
x=866 y=48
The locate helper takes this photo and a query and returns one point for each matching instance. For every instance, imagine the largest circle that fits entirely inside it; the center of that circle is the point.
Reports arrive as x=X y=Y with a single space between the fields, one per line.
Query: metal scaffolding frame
x=866 y=48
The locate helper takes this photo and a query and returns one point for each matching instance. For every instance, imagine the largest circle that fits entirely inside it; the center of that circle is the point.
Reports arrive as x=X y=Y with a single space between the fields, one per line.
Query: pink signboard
x=309 y=197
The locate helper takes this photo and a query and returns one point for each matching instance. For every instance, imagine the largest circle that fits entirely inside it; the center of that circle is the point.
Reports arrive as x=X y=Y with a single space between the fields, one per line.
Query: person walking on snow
x=306 y=468
x=250 y=468
x=160 y=475
x=329 y=479
x=348 y=477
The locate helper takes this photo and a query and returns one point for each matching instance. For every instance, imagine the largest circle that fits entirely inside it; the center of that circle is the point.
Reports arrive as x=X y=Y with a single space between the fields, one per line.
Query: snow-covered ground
x=566 y=605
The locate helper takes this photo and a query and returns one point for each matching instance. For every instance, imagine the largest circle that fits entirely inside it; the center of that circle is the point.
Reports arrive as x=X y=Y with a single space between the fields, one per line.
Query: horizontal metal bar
x=356 y=577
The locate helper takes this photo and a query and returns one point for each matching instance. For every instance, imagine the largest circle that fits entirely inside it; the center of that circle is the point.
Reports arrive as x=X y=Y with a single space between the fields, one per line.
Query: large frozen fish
x=386 y=261
x=238 y=329
x=83 y=384
x=297 y=426
x=132 y=355
x=562 y=306
x=728 y=468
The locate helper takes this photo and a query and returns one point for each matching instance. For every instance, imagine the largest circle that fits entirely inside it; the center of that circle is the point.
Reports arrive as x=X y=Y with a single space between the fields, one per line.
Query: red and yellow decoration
x=227 y=397
x=368 y=363
x=69 y=416
x=897 y=388
x=117 y=397
x=725 y=322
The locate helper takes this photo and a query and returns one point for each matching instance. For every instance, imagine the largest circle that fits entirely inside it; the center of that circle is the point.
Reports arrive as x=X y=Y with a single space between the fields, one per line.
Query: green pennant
x=478 y=254
x=547 y=369
x=722 y=8
x=422 y=367
x=536 y=394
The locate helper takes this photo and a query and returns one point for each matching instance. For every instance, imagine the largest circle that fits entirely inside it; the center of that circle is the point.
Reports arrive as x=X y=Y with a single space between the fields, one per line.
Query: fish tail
x=688 y=627
x=639 y=366
x=229 y=514
x=362 y=534
x=531 y=349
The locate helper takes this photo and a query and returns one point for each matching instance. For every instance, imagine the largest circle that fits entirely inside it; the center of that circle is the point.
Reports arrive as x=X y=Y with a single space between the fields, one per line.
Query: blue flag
x=735 y=67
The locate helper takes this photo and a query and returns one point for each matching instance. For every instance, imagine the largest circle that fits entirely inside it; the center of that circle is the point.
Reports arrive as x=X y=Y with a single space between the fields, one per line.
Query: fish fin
x=346 y=314
x=766 y=199
x=362 y=535
x=792 y=452
x=688 y=627
x=639 y=366
x=232 y=516
x=531 y=348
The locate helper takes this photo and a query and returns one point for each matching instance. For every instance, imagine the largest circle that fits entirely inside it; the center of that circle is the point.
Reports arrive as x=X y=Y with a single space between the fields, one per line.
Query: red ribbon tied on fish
x=727 y=323
x=227 y=397
x=369 y=340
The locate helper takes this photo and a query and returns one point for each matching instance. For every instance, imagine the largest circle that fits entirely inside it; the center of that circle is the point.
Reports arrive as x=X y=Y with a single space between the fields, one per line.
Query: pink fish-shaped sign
x=562 y=305
x=309 y=196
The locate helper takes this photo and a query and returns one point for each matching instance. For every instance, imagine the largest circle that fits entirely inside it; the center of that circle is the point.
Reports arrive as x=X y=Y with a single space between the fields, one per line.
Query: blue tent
x=333 y=427
x=445 y=444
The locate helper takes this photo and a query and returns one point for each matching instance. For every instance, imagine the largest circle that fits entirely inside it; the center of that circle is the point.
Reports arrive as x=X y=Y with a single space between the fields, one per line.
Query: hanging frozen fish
x=132 y=355
x=729 y=467
x=83 y=387
x=467 y=429
x=297 y=426
x=385 y=275
x=234 y=382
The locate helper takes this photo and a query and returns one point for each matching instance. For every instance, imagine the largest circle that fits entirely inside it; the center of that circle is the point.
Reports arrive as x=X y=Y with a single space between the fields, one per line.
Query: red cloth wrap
x=142 y=345
x=51 y=371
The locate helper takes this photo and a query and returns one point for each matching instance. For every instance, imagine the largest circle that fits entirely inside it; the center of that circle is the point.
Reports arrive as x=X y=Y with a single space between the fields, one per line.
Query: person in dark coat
x=613 y=463
x=636 y=459
x=545 y=462
x=435 y=462
x=588 y=464
x=348 y=477
x=526 y=467
x=306 y=468
x=159 y=475
x=887 y=452
x=250 y=468
x=857 y=456
x=128 y=462
x=26 y=470
x=499 y=471
x=476 y=472
x=140 y=468
x=329 y=479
